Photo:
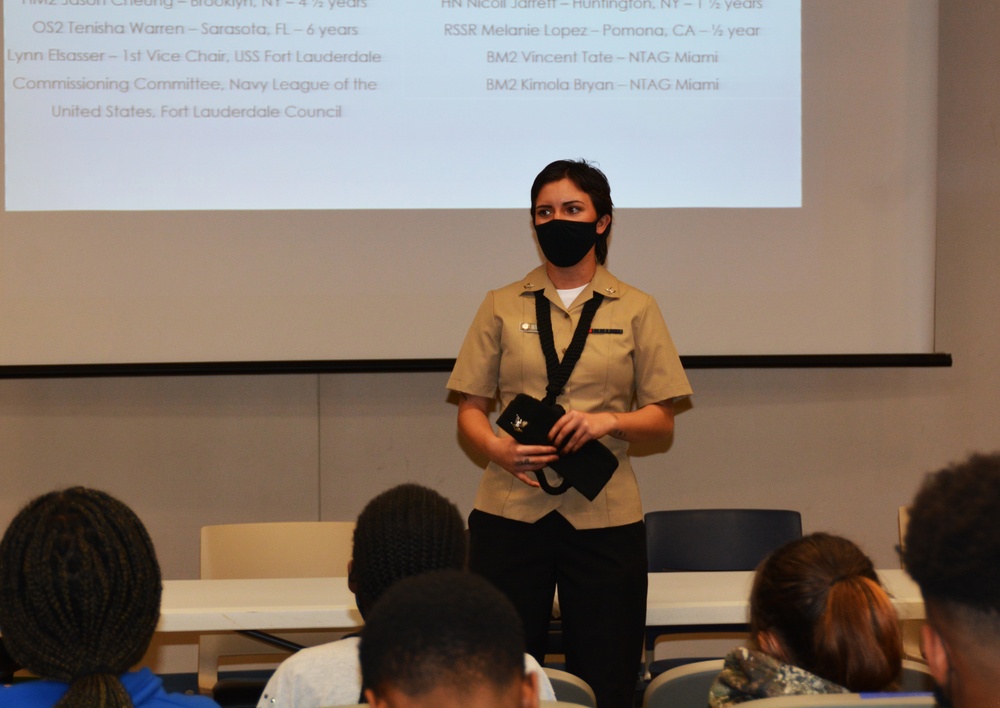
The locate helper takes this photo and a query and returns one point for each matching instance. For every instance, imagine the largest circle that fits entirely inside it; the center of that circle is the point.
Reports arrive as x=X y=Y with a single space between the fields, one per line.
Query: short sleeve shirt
x=629 y=361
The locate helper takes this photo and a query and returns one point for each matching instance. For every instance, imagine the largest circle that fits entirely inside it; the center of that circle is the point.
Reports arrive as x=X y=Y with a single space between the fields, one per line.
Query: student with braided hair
x=79 y=601
x=405 y=531
x=820 y=622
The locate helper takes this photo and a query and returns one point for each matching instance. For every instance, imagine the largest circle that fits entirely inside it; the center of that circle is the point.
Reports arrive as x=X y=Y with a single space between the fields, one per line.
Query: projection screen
x=273 y=180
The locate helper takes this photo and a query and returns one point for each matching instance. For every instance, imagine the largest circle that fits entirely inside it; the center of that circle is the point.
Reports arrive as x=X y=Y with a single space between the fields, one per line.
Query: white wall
x=846 y=447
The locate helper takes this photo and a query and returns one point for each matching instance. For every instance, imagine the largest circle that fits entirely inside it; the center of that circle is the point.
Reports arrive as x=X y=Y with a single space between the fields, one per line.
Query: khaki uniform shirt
x=502 y=356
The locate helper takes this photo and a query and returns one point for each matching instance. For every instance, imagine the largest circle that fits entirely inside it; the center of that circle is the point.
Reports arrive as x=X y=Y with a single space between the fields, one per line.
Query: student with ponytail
x=820 y=622
x=79 y=601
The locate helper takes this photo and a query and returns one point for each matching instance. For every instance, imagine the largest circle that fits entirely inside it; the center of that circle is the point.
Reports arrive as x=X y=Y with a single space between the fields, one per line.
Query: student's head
x=817 y=603
x=952 y=551
x=445 y=639
x=403 y=531
x=79 y=593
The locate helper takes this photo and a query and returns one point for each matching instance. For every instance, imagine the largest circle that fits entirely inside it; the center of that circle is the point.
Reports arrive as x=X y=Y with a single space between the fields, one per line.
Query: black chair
x=706 y=540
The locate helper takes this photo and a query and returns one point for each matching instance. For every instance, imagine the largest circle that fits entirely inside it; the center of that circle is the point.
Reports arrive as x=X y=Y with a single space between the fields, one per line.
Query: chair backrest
x=293 y=549
x=915 y=677
x=682 y=687
x=903 y=519
x=910 y=628
x=716 y=539
x=285 y=549
x=571 y=688
x=850 y=700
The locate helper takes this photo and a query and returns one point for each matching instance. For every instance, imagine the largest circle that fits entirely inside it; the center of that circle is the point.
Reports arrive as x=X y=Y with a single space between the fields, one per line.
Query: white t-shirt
x=330 y=675
x=568 y=296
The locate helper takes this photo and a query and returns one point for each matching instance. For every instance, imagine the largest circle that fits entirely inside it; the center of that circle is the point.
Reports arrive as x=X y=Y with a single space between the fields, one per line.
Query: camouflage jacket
x=749 y=674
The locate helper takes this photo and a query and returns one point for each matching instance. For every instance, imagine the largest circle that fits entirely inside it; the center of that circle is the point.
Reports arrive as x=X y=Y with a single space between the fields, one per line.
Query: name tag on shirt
x=532 y=328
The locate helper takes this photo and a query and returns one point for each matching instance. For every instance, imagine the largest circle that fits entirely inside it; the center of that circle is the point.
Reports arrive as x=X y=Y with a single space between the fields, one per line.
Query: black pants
x=601 y=575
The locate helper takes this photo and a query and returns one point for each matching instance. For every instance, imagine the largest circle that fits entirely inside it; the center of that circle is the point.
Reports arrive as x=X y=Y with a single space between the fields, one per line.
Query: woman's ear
x=768 y=642
x=603 y=223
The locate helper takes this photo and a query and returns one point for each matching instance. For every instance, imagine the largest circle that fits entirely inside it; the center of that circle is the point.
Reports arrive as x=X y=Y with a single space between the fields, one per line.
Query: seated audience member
x=952 y=551
x=445 y=639
x=402 y=532
x=79 y=601
x=820 y=622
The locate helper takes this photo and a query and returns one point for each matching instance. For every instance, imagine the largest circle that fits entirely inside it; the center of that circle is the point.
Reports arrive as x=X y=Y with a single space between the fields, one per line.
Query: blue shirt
x=145 y=688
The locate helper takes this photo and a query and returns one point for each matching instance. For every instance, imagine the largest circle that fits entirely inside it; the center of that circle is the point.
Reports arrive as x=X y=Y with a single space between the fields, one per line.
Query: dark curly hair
x=404 y=531
x=590 y=181
x=79 y=593
x=820 y=596
x=442 y=629
x=952 y=543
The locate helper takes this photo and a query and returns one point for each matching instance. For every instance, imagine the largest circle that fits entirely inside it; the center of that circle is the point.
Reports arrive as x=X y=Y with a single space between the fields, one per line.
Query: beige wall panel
x=838 y=445
x=183 y=452
x=379 y=430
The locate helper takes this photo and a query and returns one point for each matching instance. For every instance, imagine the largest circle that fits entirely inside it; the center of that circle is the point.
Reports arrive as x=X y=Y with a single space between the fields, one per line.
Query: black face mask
x=565 y=243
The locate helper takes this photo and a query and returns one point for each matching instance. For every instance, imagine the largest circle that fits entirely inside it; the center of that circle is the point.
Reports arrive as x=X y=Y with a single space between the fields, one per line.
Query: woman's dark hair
x=404 y=531
x=589 y=180
x=79 y=593
x=821 y=599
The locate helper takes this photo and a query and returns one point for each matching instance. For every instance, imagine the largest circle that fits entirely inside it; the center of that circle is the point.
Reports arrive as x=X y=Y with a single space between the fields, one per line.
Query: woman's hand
x=652 y=421
x=576 y=428
x=517 y=459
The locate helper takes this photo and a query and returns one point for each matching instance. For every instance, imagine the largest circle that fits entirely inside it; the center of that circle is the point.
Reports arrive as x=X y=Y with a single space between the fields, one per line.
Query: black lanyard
x=558 y=372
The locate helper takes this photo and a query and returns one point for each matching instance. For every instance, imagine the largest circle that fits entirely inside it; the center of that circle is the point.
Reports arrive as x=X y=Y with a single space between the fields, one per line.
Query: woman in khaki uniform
x=621 y=391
